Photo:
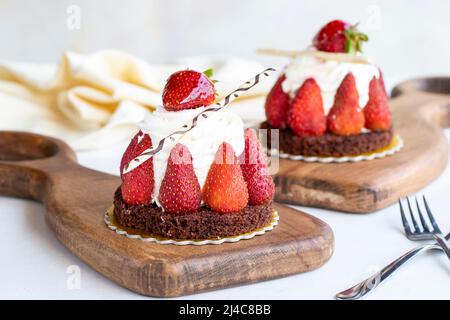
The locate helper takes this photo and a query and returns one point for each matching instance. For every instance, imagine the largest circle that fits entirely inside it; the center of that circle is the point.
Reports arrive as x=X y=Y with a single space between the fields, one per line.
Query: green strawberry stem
x=354 y=39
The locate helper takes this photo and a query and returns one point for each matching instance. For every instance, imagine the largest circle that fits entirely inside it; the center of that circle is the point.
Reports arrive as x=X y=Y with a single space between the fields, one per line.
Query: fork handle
x=361 y=289
x=443 y=243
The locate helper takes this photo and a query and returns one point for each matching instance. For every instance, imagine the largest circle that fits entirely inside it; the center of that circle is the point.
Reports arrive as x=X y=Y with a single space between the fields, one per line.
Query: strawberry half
x=180 y=190
x=225 y=189
x=277 y=105
x=381 y=79
x=339 y=36
x=254 y=169
x=137 y=185
x=306 y=115
x=376 y=112
x=188 y=89
x=346 y=117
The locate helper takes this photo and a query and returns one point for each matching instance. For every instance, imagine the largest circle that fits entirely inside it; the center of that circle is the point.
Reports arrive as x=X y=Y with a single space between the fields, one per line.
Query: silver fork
x=423 y=231
x=368 y=285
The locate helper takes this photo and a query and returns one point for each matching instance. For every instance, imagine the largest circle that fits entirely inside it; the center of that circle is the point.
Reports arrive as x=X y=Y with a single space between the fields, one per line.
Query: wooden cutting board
x=421 y=108
x=76 y=198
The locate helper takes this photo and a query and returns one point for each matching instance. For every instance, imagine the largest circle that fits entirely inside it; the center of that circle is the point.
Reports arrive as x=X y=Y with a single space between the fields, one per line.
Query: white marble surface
x=34 y=264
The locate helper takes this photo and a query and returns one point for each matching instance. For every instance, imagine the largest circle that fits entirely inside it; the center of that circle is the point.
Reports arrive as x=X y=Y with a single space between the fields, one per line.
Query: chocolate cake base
x=202 y=224
x=330 y=145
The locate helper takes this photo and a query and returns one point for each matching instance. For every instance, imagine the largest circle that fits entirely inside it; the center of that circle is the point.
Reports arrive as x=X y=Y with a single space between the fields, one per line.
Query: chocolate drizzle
x=148 y=153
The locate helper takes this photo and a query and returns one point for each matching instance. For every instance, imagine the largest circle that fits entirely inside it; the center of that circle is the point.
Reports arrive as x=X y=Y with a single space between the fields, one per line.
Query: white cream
x=328 y=75
x=202 y=141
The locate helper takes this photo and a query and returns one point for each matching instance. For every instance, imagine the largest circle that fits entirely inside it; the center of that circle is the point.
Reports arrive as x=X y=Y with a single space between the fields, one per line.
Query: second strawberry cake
x=330 y=100
x=208 y=183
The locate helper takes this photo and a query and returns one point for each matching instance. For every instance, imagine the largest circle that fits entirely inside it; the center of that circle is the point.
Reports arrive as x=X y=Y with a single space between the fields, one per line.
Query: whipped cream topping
x=202 y=141
x=328 y=75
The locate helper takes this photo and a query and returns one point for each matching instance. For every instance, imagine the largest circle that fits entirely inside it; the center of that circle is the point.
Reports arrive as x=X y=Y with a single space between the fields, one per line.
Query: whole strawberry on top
x=188 y=89
x=339 y=36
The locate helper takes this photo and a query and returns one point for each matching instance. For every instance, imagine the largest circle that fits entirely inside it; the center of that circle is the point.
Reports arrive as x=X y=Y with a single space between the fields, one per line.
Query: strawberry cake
x=330 y=100
x=209 y=182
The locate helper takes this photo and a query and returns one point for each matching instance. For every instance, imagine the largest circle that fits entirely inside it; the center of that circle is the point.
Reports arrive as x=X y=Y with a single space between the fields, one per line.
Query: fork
x=368 y=285
x=423 y=231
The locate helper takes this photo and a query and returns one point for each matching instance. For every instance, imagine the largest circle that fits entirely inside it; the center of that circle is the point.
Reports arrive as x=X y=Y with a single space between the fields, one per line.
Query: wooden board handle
x=432 y=94
x=26 y=160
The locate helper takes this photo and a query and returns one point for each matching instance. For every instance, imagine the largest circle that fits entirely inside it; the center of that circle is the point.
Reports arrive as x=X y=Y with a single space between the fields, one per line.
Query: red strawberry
x=137 y=185
x=381 y=79
x=188 y=89
x=225 y=189
x=306 y=115
x=254 y=169
x=376 y=112
x=346 y=117
x=277 y=105
x=180 y=190
x=339 y=36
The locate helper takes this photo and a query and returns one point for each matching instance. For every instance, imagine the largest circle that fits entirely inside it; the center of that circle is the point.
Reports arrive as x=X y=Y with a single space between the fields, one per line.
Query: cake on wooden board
x=330 y=100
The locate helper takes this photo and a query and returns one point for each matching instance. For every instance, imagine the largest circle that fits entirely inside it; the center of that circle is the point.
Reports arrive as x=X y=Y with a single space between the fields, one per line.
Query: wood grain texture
x=76 y=199
x=420 y=109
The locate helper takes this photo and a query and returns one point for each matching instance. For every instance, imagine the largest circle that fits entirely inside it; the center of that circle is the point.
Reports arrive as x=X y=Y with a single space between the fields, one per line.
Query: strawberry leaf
x=208 y=72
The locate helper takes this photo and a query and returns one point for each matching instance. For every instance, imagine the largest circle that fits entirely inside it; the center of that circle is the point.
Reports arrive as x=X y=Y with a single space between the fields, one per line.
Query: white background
x=408 y=39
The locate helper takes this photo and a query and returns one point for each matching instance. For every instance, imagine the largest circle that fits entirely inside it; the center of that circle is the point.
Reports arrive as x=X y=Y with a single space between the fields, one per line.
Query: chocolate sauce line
x=148 y=153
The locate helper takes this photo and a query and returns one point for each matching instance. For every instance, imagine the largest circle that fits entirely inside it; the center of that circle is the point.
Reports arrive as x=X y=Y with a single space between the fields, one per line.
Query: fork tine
x=430 y=215
x=411 y=212
x=424 y=223
x=404 y=221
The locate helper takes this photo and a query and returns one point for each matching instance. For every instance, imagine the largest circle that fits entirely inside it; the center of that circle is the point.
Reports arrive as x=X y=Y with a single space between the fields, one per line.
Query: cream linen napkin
x=93 y=101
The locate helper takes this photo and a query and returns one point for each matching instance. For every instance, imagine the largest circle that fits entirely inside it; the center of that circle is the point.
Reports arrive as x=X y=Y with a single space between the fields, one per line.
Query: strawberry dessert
x=330 y=100
x=210 y=182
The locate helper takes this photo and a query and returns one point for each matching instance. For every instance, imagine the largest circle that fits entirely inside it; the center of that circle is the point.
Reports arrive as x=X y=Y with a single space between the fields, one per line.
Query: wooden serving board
x=76 y=198
x=421 y=108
